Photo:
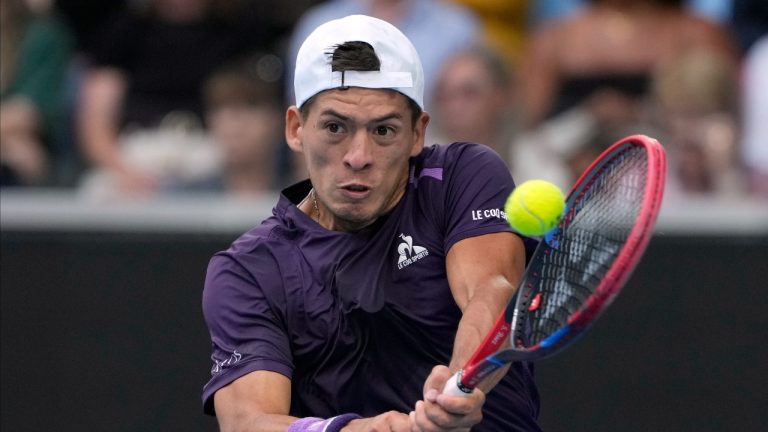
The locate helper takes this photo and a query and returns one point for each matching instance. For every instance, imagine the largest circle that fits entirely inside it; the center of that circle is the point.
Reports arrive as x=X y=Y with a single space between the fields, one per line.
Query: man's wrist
x=316 y=424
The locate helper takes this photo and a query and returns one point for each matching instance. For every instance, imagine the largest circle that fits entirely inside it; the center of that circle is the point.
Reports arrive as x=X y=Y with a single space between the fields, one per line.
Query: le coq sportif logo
x=408 y=252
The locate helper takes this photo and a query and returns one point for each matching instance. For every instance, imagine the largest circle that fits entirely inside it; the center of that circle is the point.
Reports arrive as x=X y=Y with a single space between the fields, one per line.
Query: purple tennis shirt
x=357 y=320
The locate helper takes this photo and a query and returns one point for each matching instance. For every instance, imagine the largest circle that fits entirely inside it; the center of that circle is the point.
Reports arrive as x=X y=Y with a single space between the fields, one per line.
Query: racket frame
x=490 y=354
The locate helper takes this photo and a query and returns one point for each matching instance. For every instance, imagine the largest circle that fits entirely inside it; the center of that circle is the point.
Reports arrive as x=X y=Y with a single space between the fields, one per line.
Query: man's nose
x=359 y=154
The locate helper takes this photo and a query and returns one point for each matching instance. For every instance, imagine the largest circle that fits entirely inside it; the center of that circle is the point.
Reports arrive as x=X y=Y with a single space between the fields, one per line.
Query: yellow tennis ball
x=535 y=207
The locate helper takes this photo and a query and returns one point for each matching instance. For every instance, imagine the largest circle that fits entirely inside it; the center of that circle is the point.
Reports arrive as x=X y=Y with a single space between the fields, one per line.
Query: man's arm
x=260 y=401
x=483 y=273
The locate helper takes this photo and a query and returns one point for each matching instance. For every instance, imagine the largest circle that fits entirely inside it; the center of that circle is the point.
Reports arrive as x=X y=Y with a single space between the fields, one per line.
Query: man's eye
x=383 y=130
x=334 y=128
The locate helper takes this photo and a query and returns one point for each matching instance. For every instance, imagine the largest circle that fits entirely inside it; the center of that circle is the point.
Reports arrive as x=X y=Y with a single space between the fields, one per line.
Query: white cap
x=400 y=64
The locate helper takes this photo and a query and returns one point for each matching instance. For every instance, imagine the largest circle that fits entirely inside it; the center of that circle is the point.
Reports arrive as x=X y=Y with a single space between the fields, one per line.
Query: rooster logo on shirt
x=408 y=252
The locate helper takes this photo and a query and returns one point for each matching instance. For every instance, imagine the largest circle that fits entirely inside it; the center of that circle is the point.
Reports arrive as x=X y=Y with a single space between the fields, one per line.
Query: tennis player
x=377 y=277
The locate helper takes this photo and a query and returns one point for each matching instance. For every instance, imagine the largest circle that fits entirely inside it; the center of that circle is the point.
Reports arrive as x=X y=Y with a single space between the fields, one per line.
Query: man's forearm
x=478 y=319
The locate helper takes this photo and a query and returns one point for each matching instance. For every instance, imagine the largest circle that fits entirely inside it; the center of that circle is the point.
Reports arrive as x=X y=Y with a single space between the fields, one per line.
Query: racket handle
x=453 y=388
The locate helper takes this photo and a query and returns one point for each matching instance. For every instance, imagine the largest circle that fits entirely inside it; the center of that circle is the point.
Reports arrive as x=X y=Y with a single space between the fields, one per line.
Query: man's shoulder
x=270 y=235
x=448 y=155
x=259 y=258
x=450 y=168
x=280 y=229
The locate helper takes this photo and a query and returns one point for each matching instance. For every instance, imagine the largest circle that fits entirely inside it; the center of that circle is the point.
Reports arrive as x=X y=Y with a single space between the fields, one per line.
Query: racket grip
x=454 y=388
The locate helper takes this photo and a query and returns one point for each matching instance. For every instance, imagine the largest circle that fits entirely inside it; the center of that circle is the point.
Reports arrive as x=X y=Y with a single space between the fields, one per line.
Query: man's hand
x=442 y=413
x=391 y=421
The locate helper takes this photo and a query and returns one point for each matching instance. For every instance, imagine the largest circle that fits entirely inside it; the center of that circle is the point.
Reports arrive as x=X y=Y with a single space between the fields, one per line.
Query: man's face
x=356 y=145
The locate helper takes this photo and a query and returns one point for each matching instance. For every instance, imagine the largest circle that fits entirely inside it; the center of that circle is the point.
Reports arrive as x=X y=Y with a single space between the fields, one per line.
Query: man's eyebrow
x=333 y=113
x=391 y=116
x=385 y=117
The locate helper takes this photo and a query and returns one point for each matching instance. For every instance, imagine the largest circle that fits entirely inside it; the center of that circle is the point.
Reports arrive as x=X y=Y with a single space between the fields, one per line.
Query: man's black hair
x=357 y=56
x=354 y=56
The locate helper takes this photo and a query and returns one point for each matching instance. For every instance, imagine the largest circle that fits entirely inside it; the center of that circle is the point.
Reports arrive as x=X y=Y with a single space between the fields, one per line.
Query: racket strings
x=571 y=275
x=591 y=237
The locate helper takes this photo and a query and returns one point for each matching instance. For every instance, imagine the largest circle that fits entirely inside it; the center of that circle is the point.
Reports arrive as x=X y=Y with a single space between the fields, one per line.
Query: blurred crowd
x=146 y=97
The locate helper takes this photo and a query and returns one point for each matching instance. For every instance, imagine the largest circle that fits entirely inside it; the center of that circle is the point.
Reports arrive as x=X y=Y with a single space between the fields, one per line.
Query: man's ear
x=420 y=131
x=293 y=125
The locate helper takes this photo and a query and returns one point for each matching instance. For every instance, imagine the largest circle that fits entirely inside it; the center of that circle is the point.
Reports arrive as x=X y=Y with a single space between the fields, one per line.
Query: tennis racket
x=581 y=265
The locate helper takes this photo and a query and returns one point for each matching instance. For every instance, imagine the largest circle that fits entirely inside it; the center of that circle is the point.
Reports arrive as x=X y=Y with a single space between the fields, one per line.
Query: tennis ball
x=534 y=207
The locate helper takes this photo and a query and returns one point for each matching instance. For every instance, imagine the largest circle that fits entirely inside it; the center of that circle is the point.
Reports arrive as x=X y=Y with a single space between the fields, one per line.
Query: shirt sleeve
x=247 y=333
x=477 y=186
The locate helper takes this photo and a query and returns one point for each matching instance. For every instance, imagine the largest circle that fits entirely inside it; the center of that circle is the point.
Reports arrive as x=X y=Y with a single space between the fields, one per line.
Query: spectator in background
x=36 y=50
x=691 y=108
x=245 y=121
x=437 y=28
x=87 y=16
x=611 y=46
x=473 y=101
x=558 y=149
x=695 y=98
x=148 y=71
x=505 y=24
x=755 y=125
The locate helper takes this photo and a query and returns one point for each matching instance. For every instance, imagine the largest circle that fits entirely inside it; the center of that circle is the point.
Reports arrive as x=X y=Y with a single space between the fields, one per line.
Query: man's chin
x=350 y=219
